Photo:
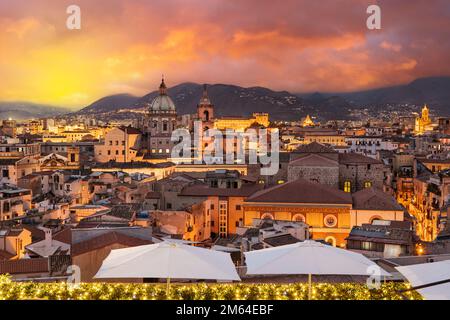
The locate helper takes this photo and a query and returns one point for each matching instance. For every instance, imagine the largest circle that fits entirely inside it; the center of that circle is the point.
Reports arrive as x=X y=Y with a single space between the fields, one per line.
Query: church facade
x=158 y=124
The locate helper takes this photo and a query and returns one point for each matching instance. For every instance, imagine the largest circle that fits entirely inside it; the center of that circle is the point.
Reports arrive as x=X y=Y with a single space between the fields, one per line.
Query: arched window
x=299 y=218
x=368 y=184
x=331 y=240
x=267 y=216
x=206 y=115
x=375 y=218
x=347 y=186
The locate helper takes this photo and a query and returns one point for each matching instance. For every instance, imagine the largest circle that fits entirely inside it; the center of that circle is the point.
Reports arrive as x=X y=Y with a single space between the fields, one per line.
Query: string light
x=10 y=290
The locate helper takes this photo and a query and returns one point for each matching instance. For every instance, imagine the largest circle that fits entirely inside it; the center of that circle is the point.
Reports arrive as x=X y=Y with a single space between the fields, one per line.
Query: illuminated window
x=223 y=219
x=367 y=184
x=267 y=216
x=347 y=186
x=280 y=181
x=331 y=240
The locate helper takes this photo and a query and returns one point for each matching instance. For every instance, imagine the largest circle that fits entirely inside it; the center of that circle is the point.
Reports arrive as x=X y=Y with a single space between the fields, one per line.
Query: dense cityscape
x=332 y=185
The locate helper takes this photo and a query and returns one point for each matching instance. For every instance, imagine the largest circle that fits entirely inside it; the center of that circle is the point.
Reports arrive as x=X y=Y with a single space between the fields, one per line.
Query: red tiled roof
x=153 y=195
x=5 y=255
x=374 y=199
x=130 y=130
x=354 y=158
x=204 y=191
x=21 y=266
x=314 y=160
x=314 y=147
x=105 y=240
x=64 y=236
x=301 y=191
x=36 y=233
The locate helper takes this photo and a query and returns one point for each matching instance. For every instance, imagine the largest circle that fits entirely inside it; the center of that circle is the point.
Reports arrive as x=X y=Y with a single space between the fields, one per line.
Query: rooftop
x=302 y=191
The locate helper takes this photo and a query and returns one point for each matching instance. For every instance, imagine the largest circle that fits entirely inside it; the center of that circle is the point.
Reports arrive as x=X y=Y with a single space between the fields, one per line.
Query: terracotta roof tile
x=204 y=191
x=105 y=240
x=5 y=255
x=354 y=158
x=301 y=191
x=24 y=266
x=374 y=199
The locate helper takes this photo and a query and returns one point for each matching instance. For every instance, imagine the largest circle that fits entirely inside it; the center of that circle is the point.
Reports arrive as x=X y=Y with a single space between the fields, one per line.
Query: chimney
x=48 y=238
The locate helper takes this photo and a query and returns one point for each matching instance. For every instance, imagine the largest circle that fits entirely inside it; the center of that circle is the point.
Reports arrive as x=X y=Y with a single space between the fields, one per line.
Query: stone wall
x=323 y=175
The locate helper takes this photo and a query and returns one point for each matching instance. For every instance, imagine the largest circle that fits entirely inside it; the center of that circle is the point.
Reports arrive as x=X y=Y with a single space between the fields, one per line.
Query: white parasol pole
x=310 y=286
x=168 y=289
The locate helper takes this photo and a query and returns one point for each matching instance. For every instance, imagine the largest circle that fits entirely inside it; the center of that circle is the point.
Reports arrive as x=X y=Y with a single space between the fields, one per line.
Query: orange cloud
x=125 y=46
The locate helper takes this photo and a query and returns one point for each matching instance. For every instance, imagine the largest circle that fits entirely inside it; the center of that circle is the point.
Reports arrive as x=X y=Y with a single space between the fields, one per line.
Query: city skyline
x=125 y=46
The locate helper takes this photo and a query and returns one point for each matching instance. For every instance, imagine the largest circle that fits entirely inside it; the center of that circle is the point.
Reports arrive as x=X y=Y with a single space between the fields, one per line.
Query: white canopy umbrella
x=309 y=257
x=433 y=279
x=168 y=260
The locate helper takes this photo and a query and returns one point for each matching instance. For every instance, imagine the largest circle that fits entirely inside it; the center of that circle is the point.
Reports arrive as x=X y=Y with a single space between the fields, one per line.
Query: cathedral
x=158 y=124
x=423 y=123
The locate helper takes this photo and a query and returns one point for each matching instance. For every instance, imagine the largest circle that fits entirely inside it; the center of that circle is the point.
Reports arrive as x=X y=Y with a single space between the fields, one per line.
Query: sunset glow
x=299 y=46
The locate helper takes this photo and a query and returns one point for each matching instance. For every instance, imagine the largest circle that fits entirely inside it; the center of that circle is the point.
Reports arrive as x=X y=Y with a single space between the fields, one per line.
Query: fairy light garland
x=10 y=290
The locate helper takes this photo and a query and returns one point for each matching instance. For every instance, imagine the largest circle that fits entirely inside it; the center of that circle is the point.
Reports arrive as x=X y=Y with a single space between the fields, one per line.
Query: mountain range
x=26 y=110
x=232 y=100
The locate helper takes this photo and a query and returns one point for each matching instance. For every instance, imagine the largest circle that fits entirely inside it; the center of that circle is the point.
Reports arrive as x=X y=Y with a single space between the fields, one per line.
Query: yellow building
x=121 y=145
x=241 y=123
x=331 y=139
x=308 y=122
x=423 y=123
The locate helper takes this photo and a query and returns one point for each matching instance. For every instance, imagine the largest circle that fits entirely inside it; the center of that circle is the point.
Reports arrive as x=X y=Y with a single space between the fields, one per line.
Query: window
x=238 y=207
x=347 y=186
x=366 y=245
x=267 y=216
x=212 y=207
x=169 y=205
x=299 y=218
x=330 y=221
x=331 y=240
x=223 y=220
x=368 y=184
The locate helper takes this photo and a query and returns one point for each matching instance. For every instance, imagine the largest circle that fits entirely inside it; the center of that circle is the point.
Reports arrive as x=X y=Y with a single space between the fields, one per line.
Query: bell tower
x=205 y=109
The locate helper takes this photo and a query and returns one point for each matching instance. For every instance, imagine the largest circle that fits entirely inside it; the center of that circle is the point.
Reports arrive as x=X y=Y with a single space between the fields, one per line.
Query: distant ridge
x=25 y=110
x=231 y=100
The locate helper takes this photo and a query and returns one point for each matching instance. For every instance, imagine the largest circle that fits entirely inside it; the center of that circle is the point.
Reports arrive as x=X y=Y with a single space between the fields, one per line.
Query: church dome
x=162 y=102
